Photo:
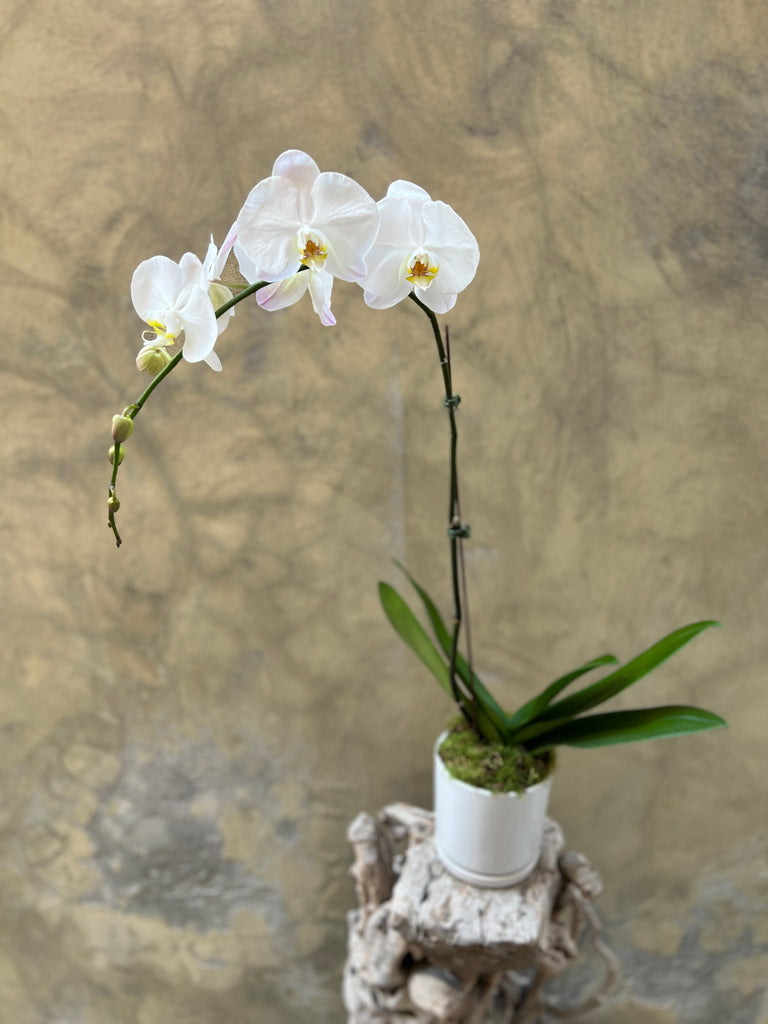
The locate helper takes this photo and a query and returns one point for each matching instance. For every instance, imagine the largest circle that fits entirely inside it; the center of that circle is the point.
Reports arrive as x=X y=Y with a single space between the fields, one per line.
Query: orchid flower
x=422 y=245
x=299 y=229
x=175 y=297
x=171 y=298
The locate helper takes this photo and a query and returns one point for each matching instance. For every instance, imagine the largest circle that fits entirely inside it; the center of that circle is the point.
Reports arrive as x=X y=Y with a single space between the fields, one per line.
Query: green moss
x=494 y=766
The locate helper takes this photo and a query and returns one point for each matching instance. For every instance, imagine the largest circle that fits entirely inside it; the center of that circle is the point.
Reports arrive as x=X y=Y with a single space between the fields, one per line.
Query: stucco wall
x=188 y=723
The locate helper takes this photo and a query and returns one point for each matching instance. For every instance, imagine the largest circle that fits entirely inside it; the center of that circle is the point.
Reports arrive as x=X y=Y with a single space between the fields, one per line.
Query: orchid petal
x=155 y=286
x=248 y=268
x=320 y=288
x=223 y=321
x=358 y=270
x=282 y=294
x=449 y=238
x=436 y=300
x=349 y=219
x=386 y=283
x=302 y=170
x=213 y=361
x=200 y=328
x=224 y=251
x=267 y=227
x=210 y=259
x=400 y=226
x=194 y=272
x=407 y=190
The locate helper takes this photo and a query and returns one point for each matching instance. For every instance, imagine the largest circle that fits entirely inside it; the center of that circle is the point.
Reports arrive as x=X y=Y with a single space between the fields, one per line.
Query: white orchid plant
x=297 y=231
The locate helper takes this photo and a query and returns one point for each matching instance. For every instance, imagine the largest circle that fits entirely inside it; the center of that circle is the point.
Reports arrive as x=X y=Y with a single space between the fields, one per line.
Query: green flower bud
x=219 y=294
x=122 y=427
x=111 y=455
x=113 y=503
x=153 y=359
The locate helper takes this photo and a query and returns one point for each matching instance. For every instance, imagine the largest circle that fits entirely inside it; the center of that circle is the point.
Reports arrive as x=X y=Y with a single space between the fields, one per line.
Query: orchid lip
x=421 y=269
x=313 y=248
x=158 y=335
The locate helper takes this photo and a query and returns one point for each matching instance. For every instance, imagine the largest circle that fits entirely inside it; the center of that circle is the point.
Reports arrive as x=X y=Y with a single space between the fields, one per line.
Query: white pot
x=489 y=839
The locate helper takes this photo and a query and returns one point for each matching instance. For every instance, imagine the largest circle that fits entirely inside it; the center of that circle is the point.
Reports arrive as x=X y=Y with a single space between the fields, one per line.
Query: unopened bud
x=113 y=503
x=122 y=427
x=111 y=455
x=153 y=359
x=219 y=294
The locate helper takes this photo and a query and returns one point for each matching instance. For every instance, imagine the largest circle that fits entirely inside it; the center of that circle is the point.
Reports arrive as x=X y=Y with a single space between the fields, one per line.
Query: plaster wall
x=189 y=723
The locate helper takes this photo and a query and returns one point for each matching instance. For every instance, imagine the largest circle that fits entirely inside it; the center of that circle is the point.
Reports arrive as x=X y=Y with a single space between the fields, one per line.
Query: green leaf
x=538 y=728
x=530 y=712
x=444 y=638
x=623 y=677
x=628 y=727
x=413 y=634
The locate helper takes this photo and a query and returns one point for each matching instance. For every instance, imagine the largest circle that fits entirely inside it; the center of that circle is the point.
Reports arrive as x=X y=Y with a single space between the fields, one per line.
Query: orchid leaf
x=414 y=635
x=623 y=677
x=627 y=727
x=444 y=638
x=530 y=712
x=537 y=728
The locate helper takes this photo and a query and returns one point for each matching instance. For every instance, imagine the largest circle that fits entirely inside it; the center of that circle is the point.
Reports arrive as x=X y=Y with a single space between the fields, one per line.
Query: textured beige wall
x=188 y=723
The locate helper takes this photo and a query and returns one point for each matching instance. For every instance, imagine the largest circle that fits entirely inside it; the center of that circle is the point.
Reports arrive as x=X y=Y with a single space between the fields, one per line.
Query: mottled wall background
x=189 y=723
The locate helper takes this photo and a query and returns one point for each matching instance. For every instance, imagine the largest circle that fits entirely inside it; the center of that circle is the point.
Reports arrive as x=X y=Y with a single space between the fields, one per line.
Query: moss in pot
x=489 y=764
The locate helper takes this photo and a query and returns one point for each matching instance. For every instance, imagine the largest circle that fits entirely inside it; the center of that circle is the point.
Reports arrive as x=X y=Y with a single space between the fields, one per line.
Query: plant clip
x=452 y=402
x=458 y=531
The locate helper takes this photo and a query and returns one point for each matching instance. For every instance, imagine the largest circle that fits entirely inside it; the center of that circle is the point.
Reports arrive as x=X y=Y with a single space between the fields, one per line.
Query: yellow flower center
x=165 y=331
x=312 y=249
x=159 y=335
x=422 y=269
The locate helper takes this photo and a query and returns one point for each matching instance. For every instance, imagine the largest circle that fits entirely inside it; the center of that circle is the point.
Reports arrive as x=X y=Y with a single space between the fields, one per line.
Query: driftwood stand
x=425 y=948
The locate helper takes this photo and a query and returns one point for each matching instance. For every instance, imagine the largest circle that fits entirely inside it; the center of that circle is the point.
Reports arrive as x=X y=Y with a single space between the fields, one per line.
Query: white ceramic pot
x=489 y=839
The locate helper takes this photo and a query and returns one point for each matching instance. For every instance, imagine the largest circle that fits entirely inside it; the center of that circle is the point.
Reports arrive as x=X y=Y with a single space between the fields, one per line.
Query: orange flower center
x=312 y=249
x=422 y=269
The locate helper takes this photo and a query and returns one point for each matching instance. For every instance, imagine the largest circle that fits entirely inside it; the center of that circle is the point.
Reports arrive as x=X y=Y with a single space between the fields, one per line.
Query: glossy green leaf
x=627 y=727
x=444 y=638
x=538 y=728
x=414 y=635
x=623 y=677
x=530 y=712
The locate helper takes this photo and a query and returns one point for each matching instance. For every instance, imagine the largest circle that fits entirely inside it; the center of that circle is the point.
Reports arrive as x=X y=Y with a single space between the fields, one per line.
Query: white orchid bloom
x=302 y=218
x=171 y=298
x=422 y=245
x=175 y=297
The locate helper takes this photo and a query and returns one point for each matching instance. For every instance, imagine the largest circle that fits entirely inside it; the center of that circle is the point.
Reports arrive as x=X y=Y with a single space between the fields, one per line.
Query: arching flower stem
x=457 y=531
x=132 y=411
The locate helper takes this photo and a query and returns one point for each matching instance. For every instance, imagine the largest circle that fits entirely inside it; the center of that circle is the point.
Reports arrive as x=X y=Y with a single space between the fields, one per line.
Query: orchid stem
x=132 y=411
x=456 y=529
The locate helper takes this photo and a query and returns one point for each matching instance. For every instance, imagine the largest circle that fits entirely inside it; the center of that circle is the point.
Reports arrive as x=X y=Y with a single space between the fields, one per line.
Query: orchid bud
x=153 y=359
x=122 y=427
x=111 y=455
x=219 y=294
x=113 y=503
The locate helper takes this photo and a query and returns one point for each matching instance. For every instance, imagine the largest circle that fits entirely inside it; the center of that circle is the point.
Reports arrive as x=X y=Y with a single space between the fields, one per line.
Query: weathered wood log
x=426 y=948
x=470 y=930
x=372 y=870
